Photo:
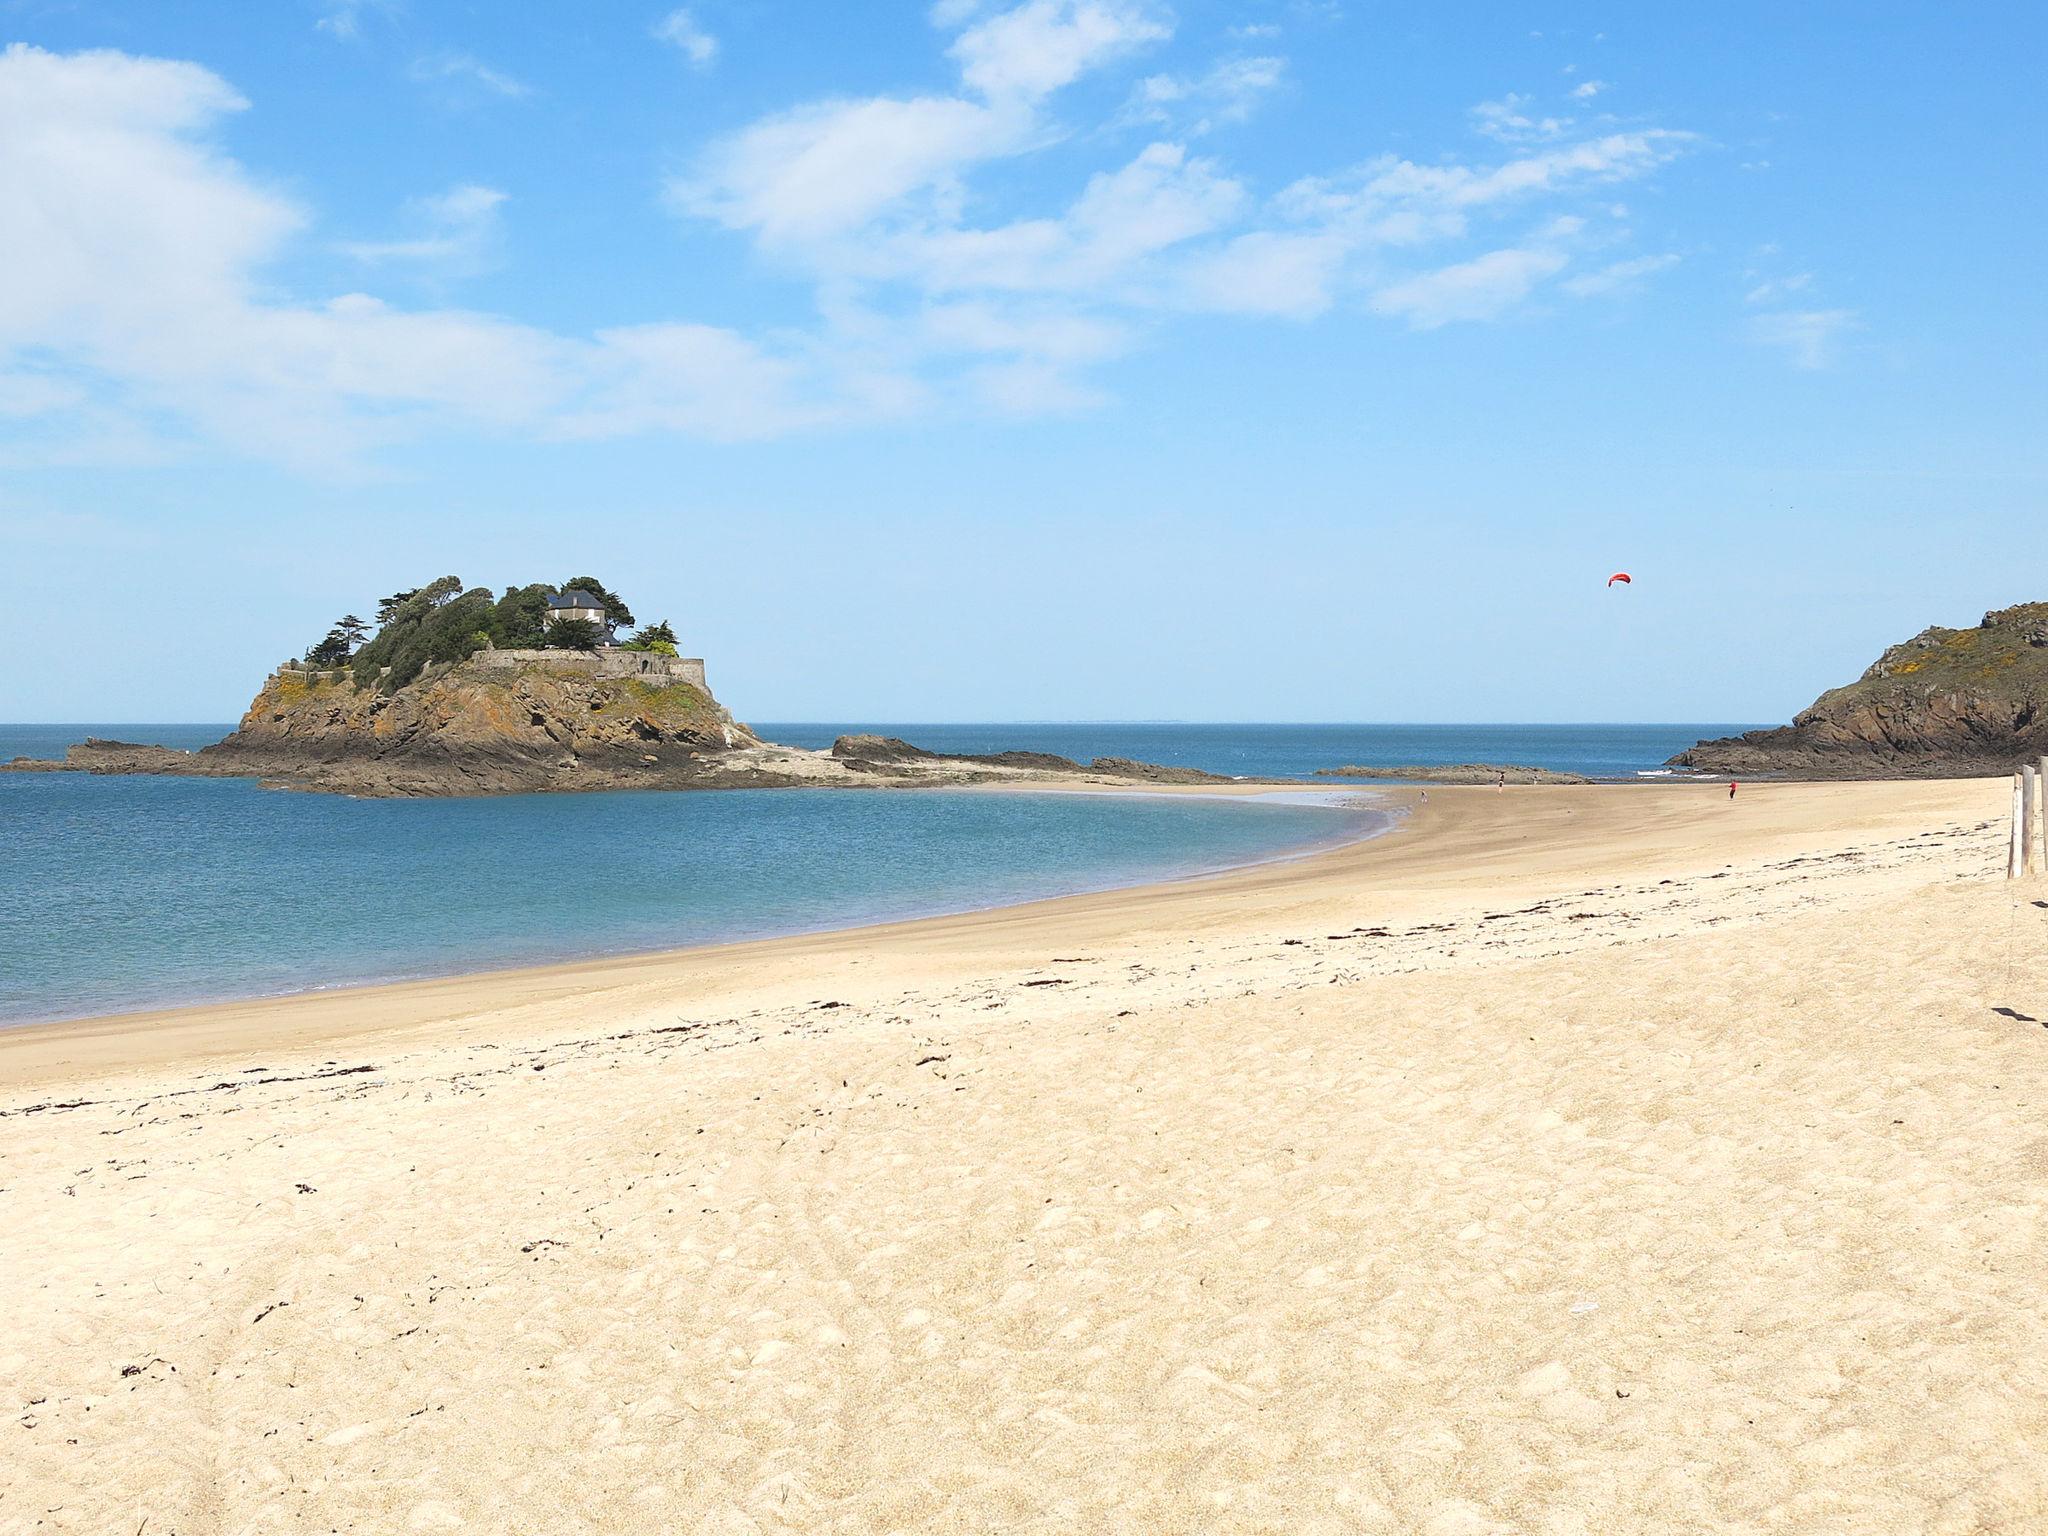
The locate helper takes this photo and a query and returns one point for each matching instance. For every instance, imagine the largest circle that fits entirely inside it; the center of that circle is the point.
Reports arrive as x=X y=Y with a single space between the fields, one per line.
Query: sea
x=127 y=893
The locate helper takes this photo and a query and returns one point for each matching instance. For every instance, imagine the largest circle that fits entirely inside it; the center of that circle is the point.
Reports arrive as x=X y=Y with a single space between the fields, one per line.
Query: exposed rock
x=1457 y=773
x=1946 y=703
x=495 y=724
x=472 y=727
x=96 y=754
x=890 y=754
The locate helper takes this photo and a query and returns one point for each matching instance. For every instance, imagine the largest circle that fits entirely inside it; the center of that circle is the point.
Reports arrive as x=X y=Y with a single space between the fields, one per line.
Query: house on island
x=579 y=605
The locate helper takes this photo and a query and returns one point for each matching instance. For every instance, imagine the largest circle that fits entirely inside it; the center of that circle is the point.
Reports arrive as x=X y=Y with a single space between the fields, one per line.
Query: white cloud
x=140 y=300
x=461 y=69
x=135 y=284
x=1159 y=201
x=831 y=167
x=1228 y=92
x=1441 y=196
x=1480 y=289
x=1586 y=90
x=1038 y=47
x=679 y=30
x=1808 y=337
x=344 y=18
x=1266 y=273
x=1772 y=289
x=457 y=231
x=1617 y=277
x=1508 y=120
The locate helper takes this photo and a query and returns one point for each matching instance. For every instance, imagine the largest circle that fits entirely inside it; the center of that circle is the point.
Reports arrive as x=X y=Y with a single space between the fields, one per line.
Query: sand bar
x=1574 y=1159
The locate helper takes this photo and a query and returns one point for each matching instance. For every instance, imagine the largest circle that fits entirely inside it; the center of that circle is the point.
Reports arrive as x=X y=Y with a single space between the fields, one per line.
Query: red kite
x=1621 y=576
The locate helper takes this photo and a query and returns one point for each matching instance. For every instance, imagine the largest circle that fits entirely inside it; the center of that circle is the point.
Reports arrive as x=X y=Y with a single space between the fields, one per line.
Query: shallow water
x=123 y=893
x=1295 y=751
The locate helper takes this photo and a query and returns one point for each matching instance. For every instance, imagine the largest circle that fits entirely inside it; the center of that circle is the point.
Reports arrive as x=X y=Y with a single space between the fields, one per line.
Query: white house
x=578 y=605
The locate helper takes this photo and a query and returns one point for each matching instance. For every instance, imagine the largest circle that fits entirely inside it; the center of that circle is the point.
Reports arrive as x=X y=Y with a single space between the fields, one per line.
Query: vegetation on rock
x=1946 y=701
x=445 y=622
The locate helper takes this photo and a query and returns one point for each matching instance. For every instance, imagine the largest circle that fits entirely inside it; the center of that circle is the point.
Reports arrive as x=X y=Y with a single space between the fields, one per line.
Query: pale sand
x=1669 y=1165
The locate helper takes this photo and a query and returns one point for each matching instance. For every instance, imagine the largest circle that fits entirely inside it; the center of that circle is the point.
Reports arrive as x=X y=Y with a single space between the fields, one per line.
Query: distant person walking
x=1500 y=784
x=1731 y=789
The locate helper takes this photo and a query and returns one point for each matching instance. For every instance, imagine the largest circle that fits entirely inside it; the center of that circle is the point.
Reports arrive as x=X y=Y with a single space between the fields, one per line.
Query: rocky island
x=463 y=692
x=1948 y=703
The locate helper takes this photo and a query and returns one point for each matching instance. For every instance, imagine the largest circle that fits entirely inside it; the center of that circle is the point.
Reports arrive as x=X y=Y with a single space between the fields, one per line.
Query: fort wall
x=609 y=663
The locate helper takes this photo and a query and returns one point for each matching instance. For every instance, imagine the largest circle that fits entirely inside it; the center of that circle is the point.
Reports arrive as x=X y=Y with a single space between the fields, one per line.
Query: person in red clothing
x=1731 y=789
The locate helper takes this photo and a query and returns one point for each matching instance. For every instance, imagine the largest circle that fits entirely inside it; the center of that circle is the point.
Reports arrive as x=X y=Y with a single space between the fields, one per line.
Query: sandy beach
x=1573 y=1159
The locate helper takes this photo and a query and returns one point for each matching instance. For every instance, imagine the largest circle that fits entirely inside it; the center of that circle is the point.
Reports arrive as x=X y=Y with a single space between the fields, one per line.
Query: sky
x=1066 y=359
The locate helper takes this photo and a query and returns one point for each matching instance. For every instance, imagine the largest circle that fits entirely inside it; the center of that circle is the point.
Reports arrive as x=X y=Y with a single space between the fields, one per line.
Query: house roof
x=577 y=599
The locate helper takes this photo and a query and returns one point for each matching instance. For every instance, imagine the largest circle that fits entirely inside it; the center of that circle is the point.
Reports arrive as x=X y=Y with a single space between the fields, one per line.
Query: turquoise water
x=1297 y=751
x=125 y=893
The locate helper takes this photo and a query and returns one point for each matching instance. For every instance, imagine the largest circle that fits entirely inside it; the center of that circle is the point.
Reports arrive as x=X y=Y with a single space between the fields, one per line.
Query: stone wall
x=607 y=663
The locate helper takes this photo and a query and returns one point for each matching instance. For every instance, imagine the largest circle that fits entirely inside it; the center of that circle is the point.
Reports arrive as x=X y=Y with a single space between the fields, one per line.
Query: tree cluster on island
x=443 y=622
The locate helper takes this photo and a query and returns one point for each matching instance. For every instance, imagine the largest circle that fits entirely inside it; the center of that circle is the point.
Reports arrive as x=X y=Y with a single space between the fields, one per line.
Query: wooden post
x=2012 y=856
x=2030 y=796
x=2041 y=799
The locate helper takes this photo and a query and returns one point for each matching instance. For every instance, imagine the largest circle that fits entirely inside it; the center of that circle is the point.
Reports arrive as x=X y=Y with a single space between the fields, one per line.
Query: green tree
x=352 y=629
x=658 y=630
x=331 y=651
x=437 y=622
x=574 y=635
x=519 y=622
x=387 y=607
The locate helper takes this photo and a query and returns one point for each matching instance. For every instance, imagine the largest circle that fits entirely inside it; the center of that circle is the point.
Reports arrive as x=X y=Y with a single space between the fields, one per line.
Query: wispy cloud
x=1810 y=338
x=1772 y=289
x=456 y=232
x=147 y=291
x=344 y=18
x=461 y=69
x=1512 y=120
x=1044 y=45
x=1586 y=90
x=1228 y=92
x=1480 y=289
x=679 y=30
x=1617 y=277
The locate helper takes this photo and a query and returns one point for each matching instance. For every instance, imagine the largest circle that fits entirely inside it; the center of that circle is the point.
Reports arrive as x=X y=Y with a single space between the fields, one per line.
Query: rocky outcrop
x=472 y=727
x=460 y=728
x=494 y=724
x=1947 y=703
x=891 y=755
x=1457 y=773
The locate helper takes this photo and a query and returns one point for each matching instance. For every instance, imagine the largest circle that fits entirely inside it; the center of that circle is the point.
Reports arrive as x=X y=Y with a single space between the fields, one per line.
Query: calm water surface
x=121 y=893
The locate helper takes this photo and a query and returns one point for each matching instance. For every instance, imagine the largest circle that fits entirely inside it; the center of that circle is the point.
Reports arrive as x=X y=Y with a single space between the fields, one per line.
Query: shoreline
x=1360 y=803
x=49 y=1050
x=1471 y=1180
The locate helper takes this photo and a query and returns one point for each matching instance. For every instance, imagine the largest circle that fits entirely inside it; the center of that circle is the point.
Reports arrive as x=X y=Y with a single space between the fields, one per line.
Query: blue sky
x=1274 y=359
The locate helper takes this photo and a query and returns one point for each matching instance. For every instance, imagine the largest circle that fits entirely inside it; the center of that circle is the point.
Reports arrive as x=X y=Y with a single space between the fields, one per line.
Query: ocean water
x=1297 y=751
x=126 y=893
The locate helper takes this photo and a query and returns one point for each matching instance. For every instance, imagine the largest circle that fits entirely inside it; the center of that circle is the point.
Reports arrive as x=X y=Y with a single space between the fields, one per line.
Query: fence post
x=2012 y=856
x=2030 y=796
x=2041 y=799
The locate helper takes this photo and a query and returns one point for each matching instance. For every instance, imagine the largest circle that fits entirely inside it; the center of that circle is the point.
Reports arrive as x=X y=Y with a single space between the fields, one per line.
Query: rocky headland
x=1948 y=703
x=520 y=723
